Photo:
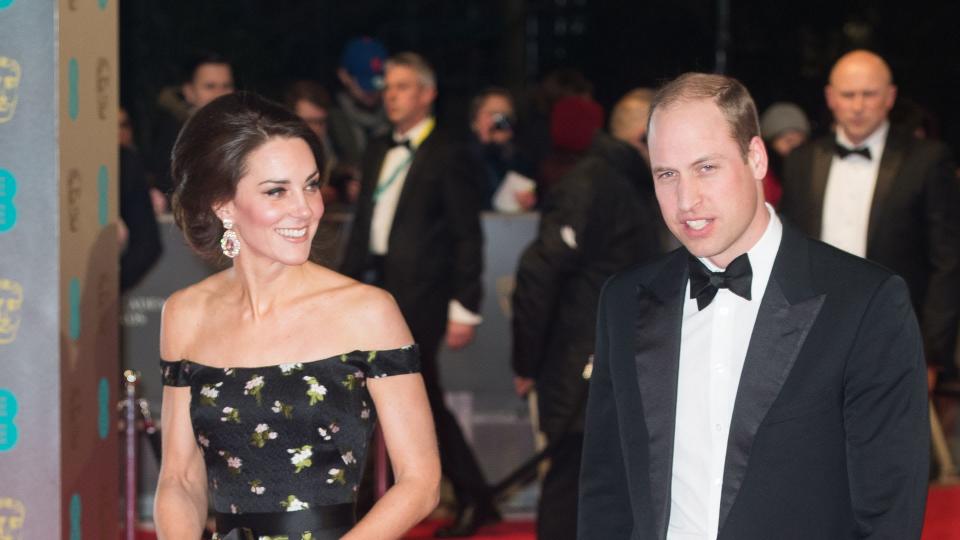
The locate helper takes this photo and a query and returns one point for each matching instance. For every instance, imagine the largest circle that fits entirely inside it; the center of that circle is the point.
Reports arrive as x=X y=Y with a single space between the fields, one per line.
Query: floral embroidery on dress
x=353 y=380
x=230 y=415
x=289 y=369
x=317 y=391
x=293 y=504
x=209 y=394
x=234 y=464
x=301 y=457
x=281 y=408
x=253 y=388
x=261 y=434
x=336 y=475
x=261 y=459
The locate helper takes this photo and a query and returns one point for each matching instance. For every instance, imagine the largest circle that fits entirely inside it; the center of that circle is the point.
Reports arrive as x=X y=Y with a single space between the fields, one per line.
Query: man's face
x=315 y=117
x=491 y=124
x=711 y=199
x=405 y=99
x=860 y=95
x=210 y=81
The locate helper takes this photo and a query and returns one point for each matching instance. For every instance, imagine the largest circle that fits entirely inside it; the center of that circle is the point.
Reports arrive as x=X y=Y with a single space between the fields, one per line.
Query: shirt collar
x=416 y=134
x=761 y=255
x=874 y=142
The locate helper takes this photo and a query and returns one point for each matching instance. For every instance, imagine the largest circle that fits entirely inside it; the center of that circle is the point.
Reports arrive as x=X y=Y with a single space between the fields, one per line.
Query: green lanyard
x=378 y=191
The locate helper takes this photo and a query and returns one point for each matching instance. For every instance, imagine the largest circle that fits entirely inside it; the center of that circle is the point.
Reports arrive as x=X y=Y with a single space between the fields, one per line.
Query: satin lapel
x=787 y=313
x=657 y=357
x=890 y=162
x=822 y=159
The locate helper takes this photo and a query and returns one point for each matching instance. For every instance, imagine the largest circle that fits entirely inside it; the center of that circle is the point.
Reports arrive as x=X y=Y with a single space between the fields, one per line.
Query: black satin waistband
x=280 y=523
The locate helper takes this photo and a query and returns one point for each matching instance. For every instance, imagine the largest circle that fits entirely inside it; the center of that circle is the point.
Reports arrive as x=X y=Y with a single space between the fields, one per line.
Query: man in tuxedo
x=416 y=233
x=876 y=191
x=754 y=383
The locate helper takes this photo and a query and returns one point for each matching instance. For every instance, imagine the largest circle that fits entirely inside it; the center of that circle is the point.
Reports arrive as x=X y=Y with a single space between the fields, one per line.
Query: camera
x=501 y=122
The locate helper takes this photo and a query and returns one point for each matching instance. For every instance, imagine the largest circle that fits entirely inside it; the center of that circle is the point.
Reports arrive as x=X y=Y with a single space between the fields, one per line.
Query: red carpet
x=942 y=522
x=507 y=530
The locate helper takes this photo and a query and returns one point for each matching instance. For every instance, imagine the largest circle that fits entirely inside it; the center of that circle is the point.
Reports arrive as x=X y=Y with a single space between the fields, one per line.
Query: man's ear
x=757 y=157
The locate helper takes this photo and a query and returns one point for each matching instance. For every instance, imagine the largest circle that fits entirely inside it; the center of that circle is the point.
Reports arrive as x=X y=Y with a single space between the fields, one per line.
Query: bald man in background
x=600 y=218
x=874 y=190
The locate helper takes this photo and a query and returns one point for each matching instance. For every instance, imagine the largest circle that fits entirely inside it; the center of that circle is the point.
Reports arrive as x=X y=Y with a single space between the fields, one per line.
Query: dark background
x=780 y=50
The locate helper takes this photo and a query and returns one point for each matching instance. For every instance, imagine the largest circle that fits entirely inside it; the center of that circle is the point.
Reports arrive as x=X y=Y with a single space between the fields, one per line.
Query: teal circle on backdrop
x=73 y=77
x=8 y=210
x=74 y=309
x=8 y=429
x=103 y=192
x=75 y=512
x=102 y=3
x=103 y=402
x=4 y=4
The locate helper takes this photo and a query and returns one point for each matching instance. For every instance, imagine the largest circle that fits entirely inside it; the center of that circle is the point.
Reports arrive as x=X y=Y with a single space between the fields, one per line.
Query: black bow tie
x=843 y=151
x=402 y=142
x=704 y=284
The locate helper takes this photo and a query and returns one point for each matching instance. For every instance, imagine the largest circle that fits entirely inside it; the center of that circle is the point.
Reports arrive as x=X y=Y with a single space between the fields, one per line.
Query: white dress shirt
x=396 y=165
x=849 y=193
x=713 y=347
x=393 y=174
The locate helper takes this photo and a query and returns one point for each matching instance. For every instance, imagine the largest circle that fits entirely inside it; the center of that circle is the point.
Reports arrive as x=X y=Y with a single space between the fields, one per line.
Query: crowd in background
x=557 y=152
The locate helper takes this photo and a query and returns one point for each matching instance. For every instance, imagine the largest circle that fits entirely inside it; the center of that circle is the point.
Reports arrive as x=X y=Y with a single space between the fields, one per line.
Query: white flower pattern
x=323 y=433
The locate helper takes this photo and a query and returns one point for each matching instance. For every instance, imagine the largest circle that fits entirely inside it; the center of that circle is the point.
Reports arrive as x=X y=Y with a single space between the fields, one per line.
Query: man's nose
x=688 y=193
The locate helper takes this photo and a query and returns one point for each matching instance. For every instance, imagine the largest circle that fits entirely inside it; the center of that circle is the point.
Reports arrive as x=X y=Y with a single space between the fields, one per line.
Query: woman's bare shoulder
x=369 y=314
x=183 y=314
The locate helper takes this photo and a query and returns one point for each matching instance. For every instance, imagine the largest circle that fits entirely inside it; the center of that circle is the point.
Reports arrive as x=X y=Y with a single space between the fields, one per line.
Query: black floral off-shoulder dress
x=285 y=438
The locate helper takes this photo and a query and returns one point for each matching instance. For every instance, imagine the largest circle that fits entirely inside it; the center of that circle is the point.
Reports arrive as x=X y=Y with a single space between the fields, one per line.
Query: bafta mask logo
x=12 y=514
x=103 y=87
x=11 y=300
x=9 y=87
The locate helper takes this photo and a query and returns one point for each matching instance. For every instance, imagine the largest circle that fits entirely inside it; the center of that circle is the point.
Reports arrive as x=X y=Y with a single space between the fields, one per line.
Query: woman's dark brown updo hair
x=210 y=158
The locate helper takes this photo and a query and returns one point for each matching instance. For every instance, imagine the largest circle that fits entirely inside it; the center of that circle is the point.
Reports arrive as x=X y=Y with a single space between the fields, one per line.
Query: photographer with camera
x=508 y=186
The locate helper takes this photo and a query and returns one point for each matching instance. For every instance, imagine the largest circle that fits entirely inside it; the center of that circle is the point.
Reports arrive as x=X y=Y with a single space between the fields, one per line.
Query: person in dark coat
x=599 y=219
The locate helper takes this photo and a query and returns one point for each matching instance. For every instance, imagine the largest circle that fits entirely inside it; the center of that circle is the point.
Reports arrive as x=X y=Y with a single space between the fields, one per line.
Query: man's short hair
x=487 y=92
x=201 y=58
x=418 y=64
x=730 y=96
x=309 y=91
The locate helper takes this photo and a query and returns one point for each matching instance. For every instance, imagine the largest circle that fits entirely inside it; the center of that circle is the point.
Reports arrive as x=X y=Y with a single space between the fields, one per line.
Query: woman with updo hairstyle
x=267 y=416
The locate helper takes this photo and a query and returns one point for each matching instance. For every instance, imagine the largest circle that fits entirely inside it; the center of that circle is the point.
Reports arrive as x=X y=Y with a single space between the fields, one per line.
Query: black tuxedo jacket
x=829 y=431
x=435 y=249
x=914 y=226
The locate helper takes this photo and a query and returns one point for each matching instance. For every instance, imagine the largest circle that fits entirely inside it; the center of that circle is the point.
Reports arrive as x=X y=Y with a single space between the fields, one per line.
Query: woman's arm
x=180 y=507
x=401 y=402
x=406 y=421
